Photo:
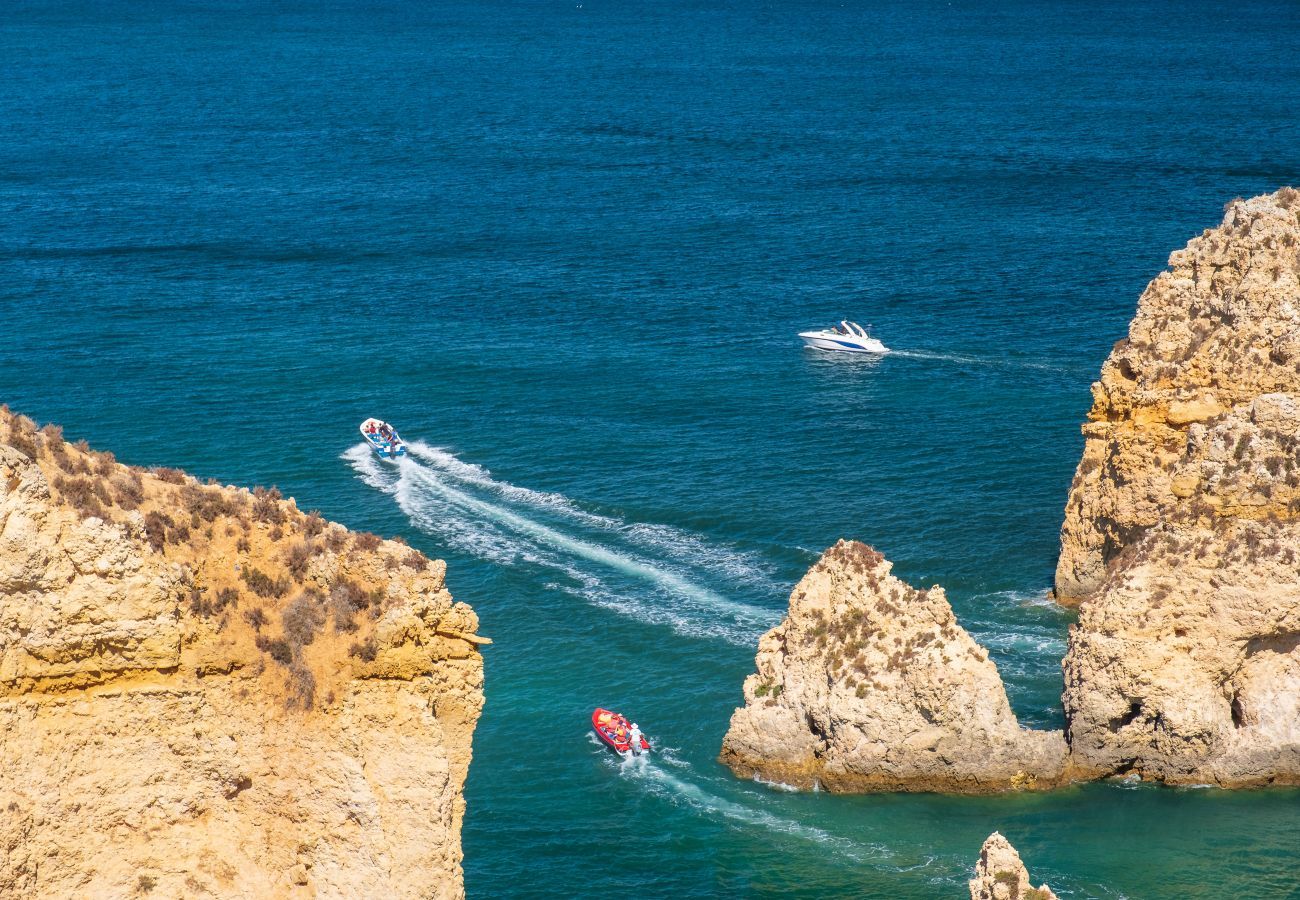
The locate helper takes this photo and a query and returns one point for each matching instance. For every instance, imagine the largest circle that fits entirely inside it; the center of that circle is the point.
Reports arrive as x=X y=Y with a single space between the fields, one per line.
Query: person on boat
x=634 y=738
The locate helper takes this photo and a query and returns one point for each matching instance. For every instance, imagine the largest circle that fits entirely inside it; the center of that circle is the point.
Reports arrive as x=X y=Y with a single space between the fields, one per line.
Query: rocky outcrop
x=1183 y=524
x=1000 y=875
x=1184 y=665
x=1219 y=328
x=870 y=685
x=206 y=693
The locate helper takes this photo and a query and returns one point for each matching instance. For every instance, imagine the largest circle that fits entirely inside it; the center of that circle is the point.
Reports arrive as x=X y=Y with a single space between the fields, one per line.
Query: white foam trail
x=628 y=565
x=678 y=791
x=979 y=360
x=477 y=537
x=672 y=542
x=493 y=531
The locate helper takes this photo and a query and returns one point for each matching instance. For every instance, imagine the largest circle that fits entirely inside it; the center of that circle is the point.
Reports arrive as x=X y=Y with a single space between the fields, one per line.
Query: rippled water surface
x=565 y=247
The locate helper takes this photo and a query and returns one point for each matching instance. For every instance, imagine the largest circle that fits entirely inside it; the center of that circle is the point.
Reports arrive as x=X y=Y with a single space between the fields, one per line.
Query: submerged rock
x=1000 y=874
x=206 y=693
x=1183 y=524
x=869 y=684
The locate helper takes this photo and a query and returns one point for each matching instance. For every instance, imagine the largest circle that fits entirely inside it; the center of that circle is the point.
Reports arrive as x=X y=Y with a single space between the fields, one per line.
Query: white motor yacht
x=846 y=337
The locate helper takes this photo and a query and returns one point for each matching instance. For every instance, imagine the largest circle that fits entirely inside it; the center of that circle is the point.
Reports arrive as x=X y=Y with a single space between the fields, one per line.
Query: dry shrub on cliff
x=346 y=599
x=277 y=648
x=313 y=524
x=88 y=495
x=73 y=465
x=302 y=686
x=854 y=555
x=105 y=464
x=366 y=541
x=264 y=585
x=365 y=650
x=266 y=505
x=156 y=525
x=256 y=617
x=203 y=605
x=171 y=476
x=128 y=489
x=336 y=539
x=23 y=440
x=416 y=560
x=302 y=618
x=205 y=504
x=52 y=437
x=297 y=557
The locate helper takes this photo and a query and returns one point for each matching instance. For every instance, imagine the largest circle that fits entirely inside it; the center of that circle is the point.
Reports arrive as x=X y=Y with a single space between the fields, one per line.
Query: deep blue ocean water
x=565 y=247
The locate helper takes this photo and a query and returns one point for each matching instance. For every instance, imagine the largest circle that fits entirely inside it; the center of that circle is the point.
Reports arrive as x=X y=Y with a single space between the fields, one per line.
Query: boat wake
x=652 y=573
x=652 y=774
x=969 y=360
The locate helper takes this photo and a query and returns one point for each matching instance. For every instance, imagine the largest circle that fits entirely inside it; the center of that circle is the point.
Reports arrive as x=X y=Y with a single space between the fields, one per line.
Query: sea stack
x=1000 y=875
x=1183 y=524
x=871 y=685
x=206 y=693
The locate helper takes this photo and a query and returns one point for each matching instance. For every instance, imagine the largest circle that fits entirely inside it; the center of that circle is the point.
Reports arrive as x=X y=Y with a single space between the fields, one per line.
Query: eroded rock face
x=205 y=693
x=1218 y=329
x=1182 y=528
x=869 y=685
x=1184 y=666
x=1000 y=875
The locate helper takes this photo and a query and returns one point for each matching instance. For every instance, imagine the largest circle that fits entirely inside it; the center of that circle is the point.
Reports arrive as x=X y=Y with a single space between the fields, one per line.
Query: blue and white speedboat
x=383 y=439
x=846 y=337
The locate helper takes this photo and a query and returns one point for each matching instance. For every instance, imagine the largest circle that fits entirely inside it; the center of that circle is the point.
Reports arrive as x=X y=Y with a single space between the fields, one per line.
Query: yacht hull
x=836 y=343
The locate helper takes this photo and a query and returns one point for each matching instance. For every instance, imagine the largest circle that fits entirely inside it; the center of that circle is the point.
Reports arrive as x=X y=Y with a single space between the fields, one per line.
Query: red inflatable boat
x=614 y=730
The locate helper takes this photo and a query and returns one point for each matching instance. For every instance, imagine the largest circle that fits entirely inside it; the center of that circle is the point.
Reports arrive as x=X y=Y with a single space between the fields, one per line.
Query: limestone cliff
x=1220 y=327
x=206 y=693
x=1183 y=524
x=869 y=684
x=1000 y=875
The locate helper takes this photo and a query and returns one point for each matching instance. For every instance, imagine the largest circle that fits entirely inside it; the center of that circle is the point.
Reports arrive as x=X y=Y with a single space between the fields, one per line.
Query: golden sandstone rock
x=1218 y=329
x=206 y=693
x=1183 y=524
x=1000 y=875
x=869 y=685
x=1181 y=539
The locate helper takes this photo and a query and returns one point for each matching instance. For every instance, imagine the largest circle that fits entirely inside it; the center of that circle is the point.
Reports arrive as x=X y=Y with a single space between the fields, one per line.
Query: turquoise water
x=565 y=247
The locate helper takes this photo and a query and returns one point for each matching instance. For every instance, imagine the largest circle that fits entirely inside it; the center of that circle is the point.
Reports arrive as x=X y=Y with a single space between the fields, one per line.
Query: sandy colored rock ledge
x=1000 y=874
x=206 y=693
x=1218 y=329
x=1184 y=667
x=871 y=685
